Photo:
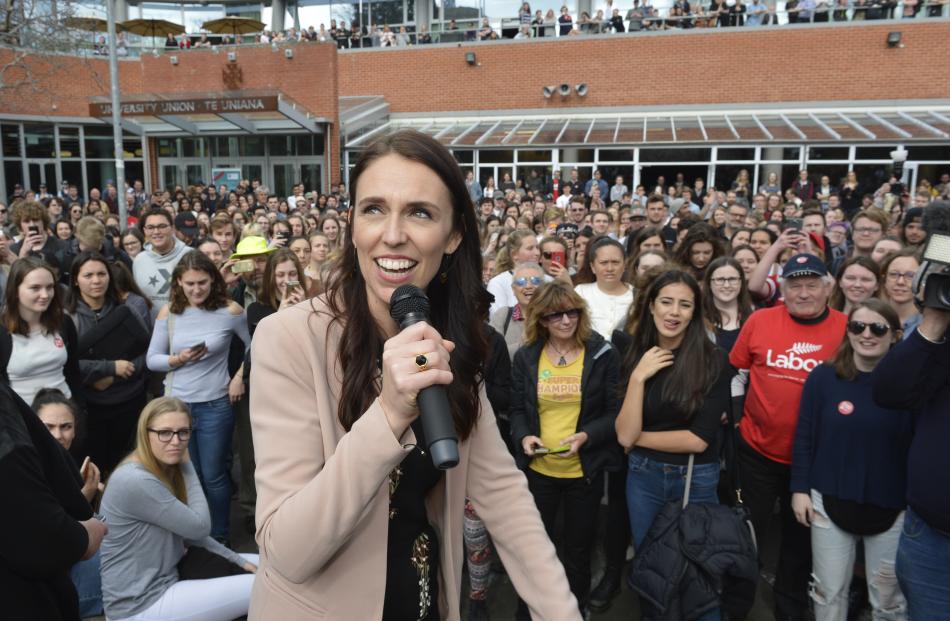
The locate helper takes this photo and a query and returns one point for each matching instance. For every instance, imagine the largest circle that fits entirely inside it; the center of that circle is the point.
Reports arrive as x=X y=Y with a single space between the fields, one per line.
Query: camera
x=934 y=273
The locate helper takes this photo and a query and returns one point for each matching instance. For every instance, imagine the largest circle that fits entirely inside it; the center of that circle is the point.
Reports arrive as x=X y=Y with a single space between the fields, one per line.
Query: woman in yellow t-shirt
x=564 y=401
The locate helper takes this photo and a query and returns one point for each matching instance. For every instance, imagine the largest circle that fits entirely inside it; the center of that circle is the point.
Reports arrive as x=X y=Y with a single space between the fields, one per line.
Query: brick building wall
x=767 y=65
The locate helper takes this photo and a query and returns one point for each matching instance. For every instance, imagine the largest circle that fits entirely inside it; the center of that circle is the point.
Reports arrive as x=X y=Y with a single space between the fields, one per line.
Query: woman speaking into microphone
x=353 y=519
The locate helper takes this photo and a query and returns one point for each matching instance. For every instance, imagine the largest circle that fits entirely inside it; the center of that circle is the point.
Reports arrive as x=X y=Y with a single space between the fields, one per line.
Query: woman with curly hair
x=190 y=343
x=700 y=246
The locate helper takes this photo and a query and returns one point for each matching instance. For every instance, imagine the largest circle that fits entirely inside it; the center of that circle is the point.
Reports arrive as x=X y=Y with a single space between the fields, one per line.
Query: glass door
x=41 y=171
x=285 y=175
x=312 y=178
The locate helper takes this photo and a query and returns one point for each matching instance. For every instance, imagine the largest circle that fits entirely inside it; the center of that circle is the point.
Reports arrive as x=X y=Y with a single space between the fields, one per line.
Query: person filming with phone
x=915 y=374
x=190 y=344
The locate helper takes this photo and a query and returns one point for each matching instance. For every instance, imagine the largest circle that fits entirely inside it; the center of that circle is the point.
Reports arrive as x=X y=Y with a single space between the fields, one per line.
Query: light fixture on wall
x=173 y=60
x=894 y=39
x=547 y=91
x=470 y=58
x=232 y=57
x=564 y=89
x=288 y=53
x=581 y=89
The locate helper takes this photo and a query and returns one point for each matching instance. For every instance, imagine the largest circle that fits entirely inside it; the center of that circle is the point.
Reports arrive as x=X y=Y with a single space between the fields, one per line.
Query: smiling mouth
x=395 y=267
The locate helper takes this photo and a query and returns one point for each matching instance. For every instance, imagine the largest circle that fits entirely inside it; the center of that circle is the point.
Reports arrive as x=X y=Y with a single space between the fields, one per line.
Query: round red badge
x=845 y=408
x=801 y=260
x=58 y=342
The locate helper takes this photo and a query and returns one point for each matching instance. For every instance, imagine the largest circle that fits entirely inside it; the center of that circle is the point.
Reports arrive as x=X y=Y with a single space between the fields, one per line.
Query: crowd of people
x=647 y=347
x=642 y=15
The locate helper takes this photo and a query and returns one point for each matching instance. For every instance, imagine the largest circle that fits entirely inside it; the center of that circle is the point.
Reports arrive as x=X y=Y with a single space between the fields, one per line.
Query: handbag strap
x=171 y=372
x=689 y=479
x=733 y=461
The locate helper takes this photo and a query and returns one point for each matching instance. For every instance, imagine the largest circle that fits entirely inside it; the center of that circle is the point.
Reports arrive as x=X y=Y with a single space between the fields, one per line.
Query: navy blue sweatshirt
x=846 y=445
x=915 y=374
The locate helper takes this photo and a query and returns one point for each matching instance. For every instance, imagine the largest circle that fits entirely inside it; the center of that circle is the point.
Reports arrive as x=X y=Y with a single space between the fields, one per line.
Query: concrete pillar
x=585 y=5
x=278 y=8
x=121 y=10
x=423 y=10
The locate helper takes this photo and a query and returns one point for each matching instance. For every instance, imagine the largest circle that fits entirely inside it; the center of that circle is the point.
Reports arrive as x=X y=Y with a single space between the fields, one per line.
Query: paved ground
x=502 y=599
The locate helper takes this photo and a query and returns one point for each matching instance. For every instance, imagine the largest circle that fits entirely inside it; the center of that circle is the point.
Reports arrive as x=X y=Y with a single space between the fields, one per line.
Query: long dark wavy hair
x=696 y=365
x=458 y=299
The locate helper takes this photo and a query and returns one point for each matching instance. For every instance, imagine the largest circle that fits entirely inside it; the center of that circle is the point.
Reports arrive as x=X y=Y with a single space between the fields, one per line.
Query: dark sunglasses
x=572 y=313
x=877 y=329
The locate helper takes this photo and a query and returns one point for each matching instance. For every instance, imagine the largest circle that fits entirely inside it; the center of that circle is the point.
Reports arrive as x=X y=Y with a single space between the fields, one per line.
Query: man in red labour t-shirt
x=780 y=346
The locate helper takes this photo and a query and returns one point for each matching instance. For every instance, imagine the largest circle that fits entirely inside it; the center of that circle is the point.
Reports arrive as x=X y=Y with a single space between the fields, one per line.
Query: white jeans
x=833 y=554
x=217 y=599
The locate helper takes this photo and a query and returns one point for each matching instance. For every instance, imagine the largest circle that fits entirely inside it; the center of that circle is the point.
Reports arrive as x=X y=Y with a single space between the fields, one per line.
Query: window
x=735 y=154
x=11 y=143
x=39 y=140
x=69 y=142
x=675 y=155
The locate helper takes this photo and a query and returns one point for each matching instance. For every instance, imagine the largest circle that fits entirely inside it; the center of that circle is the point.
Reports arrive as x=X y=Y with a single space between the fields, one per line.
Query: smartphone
x=290 y=286
x=792 y=223
x=543 y=450
x=558 y=256
x=34 y=230
x=197 y=347
x=283 y=236
x=84 y=467
x=243 y=266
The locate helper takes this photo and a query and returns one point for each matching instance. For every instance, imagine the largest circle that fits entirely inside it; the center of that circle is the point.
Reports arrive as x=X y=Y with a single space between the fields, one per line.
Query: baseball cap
x=804 y=265
x=251 y=246
x=912 y=214
x=186 y=223
x=498 y=194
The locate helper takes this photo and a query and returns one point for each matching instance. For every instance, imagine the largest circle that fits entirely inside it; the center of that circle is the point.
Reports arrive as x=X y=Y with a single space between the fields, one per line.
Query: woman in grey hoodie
x=113 y=339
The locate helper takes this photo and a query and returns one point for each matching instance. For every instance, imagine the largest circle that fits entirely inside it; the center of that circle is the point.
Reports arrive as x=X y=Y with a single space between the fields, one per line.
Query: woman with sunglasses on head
x=601 y=285
x=563 y=406
x=849 y=469
x=159 y=561
x=678 y=389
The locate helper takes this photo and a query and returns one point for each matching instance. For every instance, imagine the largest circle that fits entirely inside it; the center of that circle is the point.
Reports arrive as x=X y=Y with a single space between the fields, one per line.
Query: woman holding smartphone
x=282 y=287
x=190 y=343
x=563 y=405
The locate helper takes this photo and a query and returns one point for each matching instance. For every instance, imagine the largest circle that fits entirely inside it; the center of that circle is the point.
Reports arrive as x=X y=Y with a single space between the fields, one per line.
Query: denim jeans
x=651 y=484
x=210 y=450
x=833 y=554
x=86 y=578
x=923 y=569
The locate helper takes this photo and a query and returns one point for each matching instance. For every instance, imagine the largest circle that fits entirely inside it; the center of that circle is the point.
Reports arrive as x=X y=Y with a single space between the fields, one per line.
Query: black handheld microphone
x=407 y=306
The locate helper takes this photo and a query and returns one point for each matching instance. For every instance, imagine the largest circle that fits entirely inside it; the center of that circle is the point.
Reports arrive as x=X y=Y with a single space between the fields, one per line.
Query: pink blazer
x=323 y=494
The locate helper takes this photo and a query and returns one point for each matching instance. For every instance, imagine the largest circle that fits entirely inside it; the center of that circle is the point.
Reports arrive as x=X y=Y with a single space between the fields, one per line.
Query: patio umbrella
x=152 y=27
x=234 y=26
x=92 y=24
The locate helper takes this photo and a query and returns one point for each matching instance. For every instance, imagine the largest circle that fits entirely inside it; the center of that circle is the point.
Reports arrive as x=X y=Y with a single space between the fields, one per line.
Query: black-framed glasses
x=877 y=329
x=165 y=435
x=571 y=313
x=151 y=228
x=521 y=282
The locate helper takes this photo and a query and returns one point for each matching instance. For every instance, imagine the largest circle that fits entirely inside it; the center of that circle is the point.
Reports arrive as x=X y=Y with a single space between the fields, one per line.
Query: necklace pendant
x=562 y=362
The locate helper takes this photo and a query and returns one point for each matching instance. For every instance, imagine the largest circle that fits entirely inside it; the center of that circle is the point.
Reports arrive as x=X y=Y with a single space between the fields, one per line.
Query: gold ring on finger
x=422 y=362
